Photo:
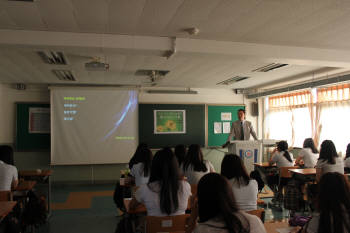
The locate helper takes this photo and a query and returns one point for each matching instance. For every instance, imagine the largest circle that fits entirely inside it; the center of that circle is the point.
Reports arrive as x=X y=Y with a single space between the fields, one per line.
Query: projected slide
x=93 y=126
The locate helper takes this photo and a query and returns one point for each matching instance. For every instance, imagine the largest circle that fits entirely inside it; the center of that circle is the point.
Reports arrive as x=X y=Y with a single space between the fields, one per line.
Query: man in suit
x=241 y=129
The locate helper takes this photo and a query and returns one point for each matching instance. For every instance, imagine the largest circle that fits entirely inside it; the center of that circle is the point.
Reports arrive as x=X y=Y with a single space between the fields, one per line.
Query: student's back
x=165 y=194
x=217 y=210
x=8 y=172
x=194 y=166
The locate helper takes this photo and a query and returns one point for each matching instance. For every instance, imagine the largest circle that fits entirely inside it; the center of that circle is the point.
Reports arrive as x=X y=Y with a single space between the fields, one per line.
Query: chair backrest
x=260 y=213
x=194 y=189
x=284 y=173
x=167 y=223
x=5 y=196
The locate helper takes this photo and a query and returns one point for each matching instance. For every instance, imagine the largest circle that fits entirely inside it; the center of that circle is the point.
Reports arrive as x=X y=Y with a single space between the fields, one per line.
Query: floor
x=90 y=209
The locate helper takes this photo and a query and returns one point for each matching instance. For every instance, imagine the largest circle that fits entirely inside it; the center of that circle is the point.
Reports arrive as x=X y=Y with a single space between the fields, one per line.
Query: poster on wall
x=39 y=120
x=169 y=121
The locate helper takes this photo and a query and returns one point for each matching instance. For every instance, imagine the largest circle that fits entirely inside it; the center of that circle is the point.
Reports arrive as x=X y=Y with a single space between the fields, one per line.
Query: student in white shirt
x=347 y=159
x=166 y=193
x=8 y=172
x=141 y=168
x=195 y=166
x=329 y=161
x=281 y=156
x=244 y=189
x=309 y=154
x=217 y=209
x=333 y=206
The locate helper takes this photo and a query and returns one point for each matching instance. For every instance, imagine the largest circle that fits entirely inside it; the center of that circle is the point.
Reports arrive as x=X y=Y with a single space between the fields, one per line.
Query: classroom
x=82 y=82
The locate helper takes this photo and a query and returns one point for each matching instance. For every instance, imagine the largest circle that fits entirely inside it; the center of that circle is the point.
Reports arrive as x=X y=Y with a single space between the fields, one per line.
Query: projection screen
x=93 y=125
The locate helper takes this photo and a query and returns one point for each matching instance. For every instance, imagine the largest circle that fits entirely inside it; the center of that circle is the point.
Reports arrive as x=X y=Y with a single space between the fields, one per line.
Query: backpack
x=125 y=225
x=299 y=220
x=293 y=197
x=256 y=176
x=35 y=210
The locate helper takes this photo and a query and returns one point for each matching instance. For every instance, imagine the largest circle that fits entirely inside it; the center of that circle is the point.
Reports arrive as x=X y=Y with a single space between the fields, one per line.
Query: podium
x=250 y=151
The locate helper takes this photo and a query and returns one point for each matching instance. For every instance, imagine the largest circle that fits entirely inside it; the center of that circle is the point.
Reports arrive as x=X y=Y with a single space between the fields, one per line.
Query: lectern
x=249 y=151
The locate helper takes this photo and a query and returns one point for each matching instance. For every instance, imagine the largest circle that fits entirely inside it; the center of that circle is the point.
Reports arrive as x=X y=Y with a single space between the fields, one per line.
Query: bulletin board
x=220 y=118
x=32 y=126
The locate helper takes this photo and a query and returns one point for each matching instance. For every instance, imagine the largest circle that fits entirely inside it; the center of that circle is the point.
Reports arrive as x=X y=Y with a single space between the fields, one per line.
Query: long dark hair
x=347 y=155
x=328 y=151
x=134 y=158
x=282 y=146
x=333 y=203
x=195 y=158
x=232 y=167
x=309 y=143
x=215 y=199
x=165 y=171
x=180 y=153
x=6 y=154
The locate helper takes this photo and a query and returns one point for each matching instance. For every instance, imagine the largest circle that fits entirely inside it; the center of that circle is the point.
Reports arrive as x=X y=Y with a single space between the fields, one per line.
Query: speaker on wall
x=255 y=109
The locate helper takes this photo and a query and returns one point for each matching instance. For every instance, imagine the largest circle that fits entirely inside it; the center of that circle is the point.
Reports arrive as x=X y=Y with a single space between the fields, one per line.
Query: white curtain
x=335 y=123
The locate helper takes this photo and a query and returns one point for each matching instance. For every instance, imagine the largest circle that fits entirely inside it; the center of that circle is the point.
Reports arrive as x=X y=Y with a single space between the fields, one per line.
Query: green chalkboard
x=34 y=135
x=214 y=115
x=195 y=125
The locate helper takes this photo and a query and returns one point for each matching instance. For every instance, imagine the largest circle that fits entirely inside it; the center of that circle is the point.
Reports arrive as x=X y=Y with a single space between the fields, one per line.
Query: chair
x=176 y=223
x=194 y=189
x=260 y=213
x=5 y=196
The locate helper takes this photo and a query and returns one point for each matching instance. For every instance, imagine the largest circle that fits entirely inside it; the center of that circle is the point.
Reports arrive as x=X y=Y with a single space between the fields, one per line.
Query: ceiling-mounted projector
x=96 y=66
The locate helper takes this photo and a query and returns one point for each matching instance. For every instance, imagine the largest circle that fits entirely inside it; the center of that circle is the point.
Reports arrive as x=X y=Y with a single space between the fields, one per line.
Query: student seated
x=180 y=153
x=333 y=206
x=244 y=189
x=329 y=161
x=347 y=160
x=309 y=154
x=194 y=166
x=217 y=209
x=8 y=172
x=281 y=156
x=141 y=168
x=165 y=193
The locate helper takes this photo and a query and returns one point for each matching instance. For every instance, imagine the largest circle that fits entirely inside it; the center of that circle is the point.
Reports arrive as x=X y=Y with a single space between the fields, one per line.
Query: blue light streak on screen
x=132 y=103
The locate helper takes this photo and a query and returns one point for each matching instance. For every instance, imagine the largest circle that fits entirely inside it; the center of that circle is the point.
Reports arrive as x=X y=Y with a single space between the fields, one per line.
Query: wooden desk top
x=272 y=226
x=25 y=185
x=142 y=209
x=306 y=171
x=6 y=207
x=264 y=164
x=35 y=173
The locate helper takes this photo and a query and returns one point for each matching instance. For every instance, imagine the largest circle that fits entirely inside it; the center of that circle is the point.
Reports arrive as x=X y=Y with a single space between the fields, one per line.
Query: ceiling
x=235 y=38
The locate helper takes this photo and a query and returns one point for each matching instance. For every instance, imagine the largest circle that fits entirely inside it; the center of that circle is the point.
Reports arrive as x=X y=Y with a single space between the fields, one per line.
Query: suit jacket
x=236 y=131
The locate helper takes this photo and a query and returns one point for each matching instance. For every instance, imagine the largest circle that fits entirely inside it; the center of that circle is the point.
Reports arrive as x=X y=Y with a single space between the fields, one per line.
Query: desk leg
x=49 y=196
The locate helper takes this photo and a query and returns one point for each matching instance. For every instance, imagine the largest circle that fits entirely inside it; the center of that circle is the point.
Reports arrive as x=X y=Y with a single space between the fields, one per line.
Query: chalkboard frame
x=24 y=141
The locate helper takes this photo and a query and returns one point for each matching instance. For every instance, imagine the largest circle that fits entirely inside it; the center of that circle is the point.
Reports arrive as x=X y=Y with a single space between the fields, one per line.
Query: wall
x=98 y=173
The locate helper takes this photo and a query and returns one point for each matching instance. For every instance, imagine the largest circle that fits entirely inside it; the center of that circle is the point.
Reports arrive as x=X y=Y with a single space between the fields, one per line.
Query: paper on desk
x=286 y=229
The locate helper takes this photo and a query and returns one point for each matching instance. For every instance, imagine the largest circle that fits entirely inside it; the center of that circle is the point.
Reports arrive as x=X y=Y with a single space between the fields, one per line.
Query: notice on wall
x=39 y=120
x=226 y=116
x=226 y=126
x=217 y=127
